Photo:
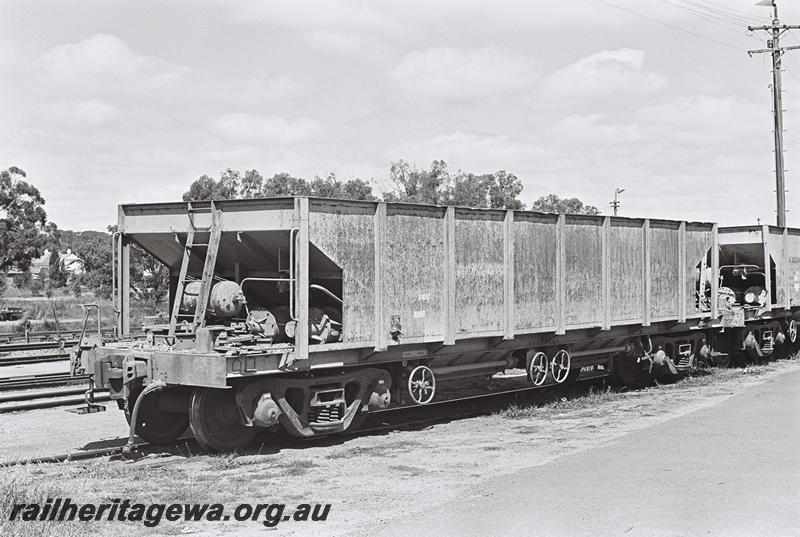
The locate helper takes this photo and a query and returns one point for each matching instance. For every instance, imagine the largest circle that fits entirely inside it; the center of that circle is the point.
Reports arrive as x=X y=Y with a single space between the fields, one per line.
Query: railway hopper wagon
x=306 y=313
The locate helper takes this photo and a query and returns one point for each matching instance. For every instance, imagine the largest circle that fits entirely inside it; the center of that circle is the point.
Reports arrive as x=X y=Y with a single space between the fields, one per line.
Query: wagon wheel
x=537 y=369
x=752 y=347
x=559 y=366
x=627 y=371
x=153 y=424
x=216 y=421
x=421 y=385
x=792 y=331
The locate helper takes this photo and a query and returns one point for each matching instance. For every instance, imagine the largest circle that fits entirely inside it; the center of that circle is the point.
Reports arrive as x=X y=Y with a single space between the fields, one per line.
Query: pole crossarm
x=781 y=50
x=779 y=27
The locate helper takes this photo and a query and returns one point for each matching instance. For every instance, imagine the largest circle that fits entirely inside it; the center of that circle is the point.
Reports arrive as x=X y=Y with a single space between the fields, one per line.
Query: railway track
x=34 y=359
x=39 y=399
x=37 y=345
x=45 y=336
x=377 y=422
x=49 y=390
x=29 y=382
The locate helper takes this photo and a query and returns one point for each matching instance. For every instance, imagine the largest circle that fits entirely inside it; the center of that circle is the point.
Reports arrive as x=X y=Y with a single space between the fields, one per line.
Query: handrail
x=326 y=291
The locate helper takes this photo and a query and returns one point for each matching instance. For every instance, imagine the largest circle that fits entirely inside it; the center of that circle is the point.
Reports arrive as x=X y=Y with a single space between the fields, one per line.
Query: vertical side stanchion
x=767 y=271
x=450 y=276
x=605 y=282
x=508 y=275
x=786 y=277
x=561 y=280
x=682 y=272
x=648 y=284
x=714 y=271
x=124 y=286
x=379 y=230
x=301 y=290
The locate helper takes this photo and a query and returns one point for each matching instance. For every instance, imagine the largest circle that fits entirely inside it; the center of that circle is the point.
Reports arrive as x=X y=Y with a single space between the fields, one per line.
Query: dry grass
x=38 y=312
x=409 y=471
x=597 y=397
x=28 y=487
x=295 y=468
x=594 y=398
x=380 y=450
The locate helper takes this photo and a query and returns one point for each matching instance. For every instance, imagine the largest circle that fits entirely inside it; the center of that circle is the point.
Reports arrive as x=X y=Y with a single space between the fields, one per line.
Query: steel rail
x=35 y=359
x=40 y=381
x=52 y=402
x=37 y=345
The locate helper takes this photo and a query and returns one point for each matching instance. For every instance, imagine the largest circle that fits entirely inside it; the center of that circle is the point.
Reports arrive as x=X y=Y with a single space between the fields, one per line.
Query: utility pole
x=775 y=30
x=616 y=203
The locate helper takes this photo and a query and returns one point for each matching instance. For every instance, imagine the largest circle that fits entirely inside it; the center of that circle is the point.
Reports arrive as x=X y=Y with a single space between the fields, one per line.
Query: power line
x=694 y=7
x=742 y=14
x=718 y=21
x=674 y=27
x=732 y=17
x=791 y=73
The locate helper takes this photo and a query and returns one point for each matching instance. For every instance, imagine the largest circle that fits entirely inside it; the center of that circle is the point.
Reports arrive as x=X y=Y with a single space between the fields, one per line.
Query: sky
x=103 y=103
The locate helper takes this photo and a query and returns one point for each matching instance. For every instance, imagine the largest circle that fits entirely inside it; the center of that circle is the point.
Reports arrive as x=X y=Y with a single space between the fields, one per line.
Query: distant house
x=72 y=264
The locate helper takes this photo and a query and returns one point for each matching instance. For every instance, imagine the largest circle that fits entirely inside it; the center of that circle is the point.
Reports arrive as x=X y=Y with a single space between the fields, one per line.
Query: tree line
x=25 y=231
x=436 y=185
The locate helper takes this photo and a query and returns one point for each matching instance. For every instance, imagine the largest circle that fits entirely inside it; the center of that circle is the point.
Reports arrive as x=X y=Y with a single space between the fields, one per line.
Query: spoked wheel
x=216 y=422
x=421 y=385
x=791 y=332
x=559 y=366
x=537 y=369
x=153 y=424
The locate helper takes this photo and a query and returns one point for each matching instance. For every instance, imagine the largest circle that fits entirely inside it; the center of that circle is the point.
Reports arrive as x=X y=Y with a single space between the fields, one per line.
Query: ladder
x=206 y=280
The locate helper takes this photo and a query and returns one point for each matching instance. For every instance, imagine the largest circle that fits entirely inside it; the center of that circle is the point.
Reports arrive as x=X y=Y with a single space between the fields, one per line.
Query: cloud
x=456 y=74
x=338 y=42
x=8 y=53
x=591 y=129
x=104 y=64
x=332 y=14
x=617 y=73
x=475 y=152
x=705 y=120
x=92 y=112
x=251 y=129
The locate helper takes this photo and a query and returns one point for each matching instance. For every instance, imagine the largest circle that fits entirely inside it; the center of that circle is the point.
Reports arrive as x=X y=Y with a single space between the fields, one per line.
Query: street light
x=616 y=203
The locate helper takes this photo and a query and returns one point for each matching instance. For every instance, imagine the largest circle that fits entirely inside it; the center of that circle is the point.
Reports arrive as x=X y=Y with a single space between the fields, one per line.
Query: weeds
x=381 y=450
x=25 y=487
x=594 y=398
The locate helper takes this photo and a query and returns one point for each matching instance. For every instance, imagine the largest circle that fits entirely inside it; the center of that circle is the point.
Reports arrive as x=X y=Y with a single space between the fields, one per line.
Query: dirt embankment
x=369 y=479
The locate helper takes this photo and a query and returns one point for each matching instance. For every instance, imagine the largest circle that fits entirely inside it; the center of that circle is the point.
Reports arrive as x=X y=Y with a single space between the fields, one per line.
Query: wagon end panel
x=793 y=267
x=699 y=279
x=783 y=248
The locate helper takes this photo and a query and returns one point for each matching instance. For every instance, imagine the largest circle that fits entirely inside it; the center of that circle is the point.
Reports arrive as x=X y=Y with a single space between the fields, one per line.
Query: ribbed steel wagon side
x=368 y=304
